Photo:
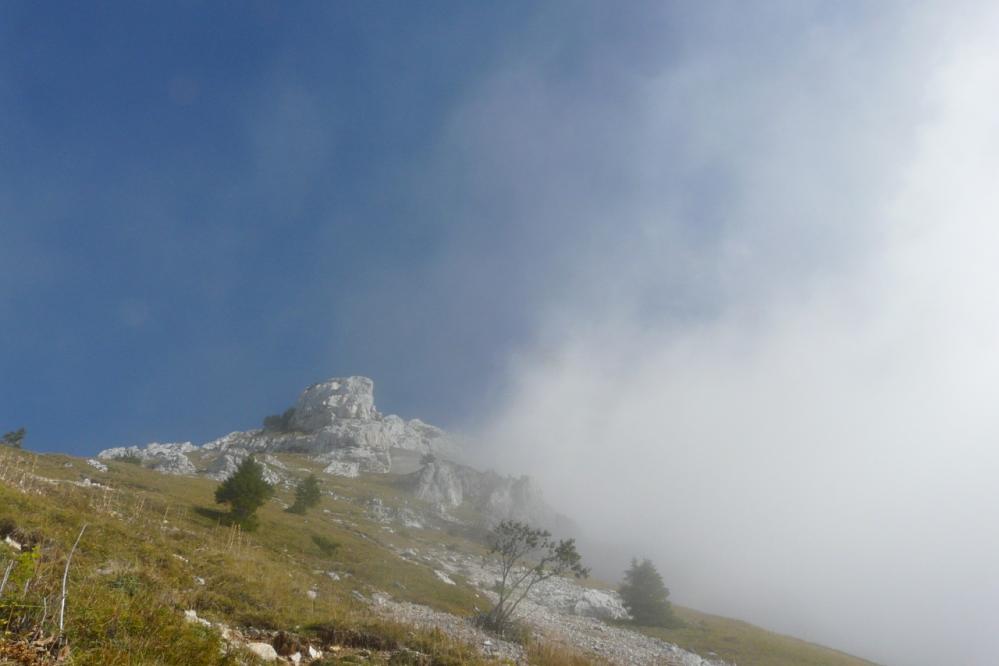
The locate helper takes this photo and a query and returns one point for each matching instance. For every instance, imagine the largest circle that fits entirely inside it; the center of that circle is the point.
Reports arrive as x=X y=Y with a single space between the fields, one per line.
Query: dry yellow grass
x=152 y=537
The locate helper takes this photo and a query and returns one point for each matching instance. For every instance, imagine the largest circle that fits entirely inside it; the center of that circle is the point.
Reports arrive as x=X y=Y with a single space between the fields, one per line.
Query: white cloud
x=795 y=412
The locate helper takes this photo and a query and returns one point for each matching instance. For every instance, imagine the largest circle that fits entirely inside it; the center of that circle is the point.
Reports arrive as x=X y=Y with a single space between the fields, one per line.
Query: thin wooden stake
x=6 y=575
x=65 y=578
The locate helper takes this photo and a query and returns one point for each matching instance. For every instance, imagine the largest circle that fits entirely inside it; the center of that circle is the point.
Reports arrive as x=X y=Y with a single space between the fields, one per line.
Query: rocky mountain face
x=447 y=485
x=336 y=424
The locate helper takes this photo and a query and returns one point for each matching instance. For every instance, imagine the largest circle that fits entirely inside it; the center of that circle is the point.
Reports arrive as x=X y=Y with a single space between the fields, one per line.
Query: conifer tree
x=645 y=595
x=245 y=492
x=307 y=494
x=14 y=438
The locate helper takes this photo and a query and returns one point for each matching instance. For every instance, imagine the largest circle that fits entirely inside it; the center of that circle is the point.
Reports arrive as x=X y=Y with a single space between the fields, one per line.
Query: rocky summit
x=336 y=423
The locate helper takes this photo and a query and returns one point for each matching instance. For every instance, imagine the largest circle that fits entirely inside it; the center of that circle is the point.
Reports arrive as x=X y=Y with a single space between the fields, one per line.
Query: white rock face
x=447 y=485
x=339 y=398
x=415 y=435
x=441 y=485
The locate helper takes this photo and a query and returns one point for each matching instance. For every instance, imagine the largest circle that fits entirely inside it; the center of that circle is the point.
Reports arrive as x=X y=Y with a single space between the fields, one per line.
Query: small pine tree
x=14 y=438
x=307 y=494
x=646 y=596
x=245 y=492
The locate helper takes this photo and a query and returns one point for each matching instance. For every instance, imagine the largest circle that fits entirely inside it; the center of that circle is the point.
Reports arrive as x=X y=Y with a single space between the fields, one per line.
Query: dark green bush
x=327 y=546
x=279 y=422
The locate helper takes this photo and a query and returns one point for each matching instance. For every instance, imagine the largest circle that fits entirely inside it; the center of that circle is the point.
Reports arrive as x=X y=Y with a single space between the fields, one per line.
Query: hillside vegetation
x=156 y=546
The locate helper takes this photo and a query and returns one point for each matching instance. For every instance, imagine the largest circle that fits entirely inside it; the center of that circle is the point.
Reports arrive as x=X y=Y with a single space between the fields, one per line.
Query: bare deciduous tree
x=527 y=556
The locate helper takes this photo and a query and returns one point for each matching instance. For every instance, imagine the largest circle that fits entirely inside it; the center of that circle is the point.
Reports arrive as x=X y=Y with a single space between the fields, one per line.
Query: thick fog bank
x=783 y=390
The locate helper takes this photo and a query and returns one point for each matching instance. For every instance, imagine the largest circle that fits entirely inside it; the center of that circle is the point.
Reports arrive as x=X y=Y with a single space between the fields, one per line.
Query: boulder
x=601 y=605
x=263 y=651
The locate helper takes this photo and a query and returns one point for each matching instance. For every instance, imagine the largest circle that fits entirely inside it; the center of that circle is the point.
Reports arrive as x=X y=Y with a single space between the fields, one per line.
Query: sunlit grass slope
x=156 y=545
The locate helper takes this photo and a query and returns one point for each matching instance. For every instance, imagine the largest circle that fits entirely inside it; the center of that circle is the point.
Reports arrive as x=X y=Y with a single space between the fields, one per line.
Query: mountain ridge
x=335 y=422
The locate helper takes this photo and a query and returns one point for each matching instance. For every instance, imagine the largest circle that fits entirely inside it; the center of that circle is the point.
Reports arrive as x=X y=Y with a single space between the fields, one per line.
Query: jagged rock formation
x=334 y=422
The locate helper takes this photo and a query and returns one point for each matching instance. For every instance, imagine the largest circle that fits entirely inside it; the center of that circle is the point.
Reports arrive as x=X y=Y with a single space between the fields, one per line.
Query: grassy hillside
x=157 y=545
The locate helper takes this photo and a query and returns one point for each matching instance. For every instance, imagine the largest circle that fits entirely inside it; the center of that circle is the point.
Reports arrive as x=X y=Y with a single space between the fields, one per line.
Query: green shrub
x=327 y=546
x=279 y=422
x=307 y=495
x=245 y=492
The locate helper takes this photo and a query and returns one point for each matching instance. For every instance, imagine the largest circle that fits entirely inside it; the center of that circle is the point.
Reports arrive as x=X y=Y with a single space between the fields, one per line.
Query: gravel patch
x=549 y=610
x=452 y=625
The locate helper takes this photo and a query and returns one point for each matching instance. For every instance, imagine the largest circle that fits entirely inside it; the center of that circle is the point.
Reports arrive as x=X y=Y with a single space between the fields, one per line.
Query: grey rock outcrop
x=334 y=422
x=170 y=458
x=98 y=465
x=442 y=484
x=448 y=485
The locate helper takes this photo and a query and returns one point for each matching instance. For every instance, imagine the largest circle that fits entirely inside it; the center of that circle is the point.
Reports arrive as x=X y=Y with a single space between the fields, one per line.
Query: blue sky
x=201 y=204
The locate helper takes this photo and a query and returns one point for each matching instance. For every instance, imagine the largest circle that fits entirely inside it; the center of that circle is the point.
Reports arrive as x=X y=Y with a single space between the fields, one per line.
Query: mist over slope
x=794 y=410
